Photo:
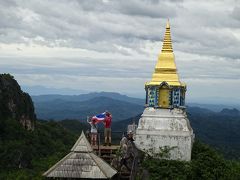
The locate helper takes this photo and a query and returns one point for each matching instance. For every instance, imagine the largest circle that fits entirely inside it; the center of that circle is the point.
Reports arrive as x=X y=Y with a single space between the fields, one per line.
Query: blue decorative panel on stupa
x=176 y=97
x=151 y=97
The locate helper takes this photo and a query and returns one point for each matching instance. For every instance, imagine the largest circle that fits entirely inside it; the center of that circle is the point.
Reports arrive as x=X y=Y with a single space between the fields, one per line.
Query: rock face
x=165 y=127
x=14 y=103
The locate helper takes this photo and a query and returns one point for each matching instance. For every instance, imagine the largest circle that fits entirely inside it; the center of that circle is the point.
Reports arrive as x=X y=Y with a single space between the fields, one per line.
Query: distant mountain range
x=217 y=125
x=214 y=107
x=84 y=97
x=39 y=90
x=59 y=107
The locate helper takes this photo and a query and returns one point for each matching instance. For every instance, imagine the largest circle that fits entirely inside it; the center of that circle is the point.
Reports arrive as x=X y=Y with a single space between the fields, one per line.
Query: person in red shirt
x=107 y=128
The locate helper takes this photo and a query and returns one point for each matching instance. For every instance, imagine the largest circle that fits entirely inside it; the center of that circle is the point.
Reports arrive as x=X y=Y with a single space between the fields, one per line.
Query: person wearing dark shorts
x=107 y=129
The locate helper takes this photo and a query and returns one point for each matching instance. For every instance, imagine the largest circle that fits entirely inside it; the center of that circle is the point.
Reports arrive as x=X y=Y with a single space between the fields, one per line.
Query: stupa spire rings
x=167 y=42
x=165 y=69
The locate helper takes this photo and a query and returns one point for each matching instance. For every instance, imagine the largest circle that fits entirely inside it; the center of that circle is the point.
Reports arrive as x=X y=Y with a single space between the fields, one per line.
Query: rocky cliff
x=14 y=103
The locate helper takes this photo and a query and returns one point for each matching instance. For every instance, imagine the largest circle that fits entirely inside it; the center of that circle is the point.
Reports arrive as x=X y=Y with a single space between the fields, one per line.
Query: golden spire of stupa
x=167 y=43
x=165 y=69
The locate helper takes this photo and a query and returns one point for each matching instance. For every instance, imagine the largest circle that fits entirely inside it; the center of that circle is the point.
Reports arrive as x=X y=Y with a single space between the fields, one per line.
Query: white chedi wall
x=165 y=127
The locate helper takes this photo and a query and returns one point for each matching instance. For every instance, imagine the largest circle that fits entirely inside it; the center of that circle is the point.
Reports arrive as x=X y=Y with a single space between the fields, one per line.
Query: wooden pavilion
x=81 y=163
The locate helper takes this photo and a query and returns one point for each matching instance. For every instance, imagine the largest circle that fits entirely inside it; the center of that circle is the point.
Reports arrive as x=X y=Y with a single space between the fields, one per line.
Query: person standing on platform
x=93 y=131
x=107 y=128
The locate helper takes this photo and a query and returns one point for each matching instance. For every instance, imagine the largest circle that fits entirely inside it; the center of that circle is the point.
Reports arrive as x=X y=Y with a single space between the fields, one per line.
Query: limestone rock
x=14 y=103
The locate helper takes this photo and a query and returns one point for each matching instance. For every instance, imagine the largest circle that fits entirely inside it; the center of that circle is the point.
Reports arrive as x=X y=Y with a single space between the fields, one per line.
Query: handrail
x=116 y=137
x=134 y=168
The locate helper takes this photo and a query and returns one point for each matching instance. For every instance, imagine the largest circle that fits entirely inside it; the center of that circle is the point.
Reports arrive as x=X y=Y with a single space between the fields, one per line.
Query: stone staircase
x=108 y=153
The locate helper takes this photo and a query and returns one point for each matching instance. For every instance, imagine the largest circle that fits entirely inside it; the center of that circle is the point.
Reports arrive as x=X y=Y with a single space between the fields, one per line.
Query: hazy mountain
x=230 y=112
x=215 y=100
x=39 y=90
x=59 y=109
x=84 y=97
x=214 y=107
x=122 y=125
x=79 y=106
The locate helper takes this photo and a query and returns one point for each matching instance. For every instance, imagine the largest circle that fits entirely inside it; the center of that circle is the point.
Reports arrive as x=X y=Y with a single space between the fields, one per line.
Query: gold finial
x=165 y=69
x=167 y=42
x=168 y=24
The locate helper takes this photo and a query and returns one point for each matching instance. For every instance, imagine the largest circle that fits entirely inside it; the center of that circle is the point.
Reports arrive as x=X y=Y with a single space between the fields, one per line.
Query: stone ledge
x=163 y=132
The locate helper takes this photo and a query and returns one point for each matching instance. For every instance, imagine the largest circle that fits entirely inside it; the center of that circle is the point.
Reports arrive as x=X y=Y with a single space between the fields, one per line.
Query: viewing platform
x=106 y=152
x=102 y=147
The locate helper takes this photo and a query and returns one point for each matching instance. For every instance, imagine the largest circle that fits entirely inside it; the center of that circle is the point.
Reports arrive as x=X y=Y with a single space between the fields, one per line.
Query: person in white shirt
x=93 y=131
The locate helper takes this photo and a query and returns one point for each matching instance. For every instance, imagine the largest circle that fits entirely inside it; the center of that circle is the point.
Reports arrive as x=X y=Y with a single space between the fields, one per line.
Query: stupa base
x=159 y=128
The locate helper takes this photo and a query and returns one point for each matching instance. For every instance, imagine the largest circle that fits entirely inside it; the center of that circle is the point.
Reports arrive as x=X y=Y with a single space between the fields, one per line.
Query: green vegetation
x=27 y=154
x=206 y=164
x=220 y=130
x=74 y=126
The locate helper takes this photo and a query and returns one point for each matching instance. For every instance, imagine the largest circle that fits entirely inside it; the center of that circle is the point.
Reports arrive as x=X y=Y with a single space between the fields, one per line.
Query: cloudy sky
x=112 y=45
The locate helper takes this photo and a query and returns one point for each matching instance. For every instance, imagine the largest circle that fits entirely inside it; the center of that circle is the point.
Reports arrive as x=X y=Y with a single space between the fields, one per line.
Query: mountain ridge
x=83 y=97
x=47 y=106
x=59 y=109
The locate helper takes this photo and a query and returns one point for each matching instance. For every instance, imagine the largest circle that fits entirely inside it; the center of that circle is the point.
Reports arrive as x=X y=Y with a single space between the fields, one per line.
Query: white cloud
x=80 y=44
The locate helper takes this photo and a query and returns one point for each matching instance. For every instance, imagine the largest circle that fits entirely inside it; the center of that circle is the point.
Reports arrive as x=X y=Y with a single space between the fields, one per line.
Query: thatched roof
x=82 y=145
x=81 y=162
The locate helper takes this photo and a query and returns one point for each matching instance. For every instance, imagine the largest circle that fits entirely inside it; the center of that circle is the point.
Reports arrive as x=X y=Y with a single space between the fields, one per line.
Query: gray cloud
x=101 y=40
x=153 y=9
x=99 y=25
x=78 y=26
x=236 y=13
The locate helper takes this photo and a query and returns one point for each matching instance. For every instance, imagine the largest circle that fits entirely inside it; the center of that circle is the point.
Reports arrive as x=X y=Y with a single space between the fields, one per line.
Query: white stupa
x=164 y=121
